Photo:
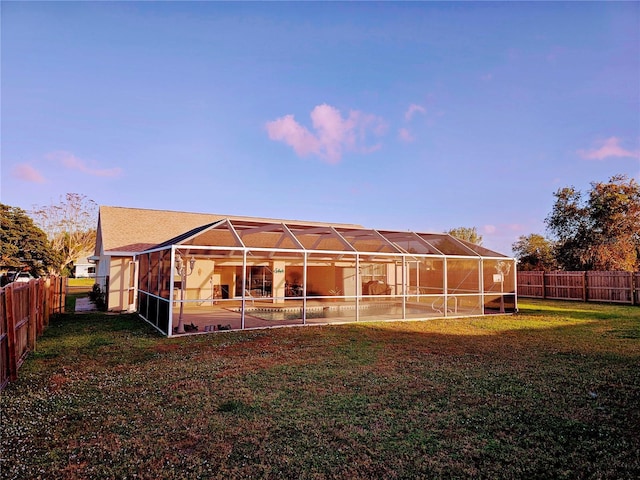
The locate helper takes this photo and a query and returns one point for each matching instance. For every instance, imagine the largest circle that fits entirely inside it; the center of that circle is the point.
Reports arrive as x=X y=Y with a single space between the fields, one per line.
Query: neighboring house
x=84 y=268
x=124 y=232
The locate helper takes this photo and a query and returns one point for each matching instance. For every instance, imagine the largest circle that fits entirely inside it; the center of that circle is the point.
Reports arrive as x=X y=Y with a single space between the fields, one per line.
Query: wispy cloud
x=555 y=53
x=501 y=228
x=333 y=134
x=27 y=173
x=287 y=130
x=609 y=148
x=405 y=135
x=72 y=162
x=412 y=110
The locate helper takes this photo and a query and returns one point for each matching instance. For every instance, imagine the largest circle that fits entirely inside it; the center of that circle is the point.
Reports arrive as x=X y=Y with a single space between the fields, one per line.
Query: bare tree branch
x=69 y=225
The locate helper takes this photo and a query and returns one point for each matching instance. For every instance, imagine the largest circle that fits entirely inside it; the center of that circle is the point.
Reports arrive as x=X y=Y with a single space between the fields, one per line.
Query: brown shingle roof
x=122 y=229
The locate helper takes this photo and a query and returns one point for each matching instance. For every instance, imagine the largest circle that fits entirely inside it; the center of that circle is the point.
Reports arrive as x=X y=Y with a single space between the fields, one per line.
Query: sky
x=422 y=116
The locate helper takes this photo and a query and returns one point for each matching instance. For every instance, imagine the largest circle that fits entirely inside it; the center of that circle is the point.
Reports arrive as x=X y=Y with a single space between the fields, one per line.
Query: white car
x=21 y=277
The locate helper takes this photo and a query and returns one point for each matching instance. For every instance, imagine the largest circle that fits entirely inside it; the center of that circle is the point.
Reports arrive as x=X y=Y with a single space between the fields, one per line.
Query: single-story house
x=84 y=267
x=193 y=272
x=123 y=233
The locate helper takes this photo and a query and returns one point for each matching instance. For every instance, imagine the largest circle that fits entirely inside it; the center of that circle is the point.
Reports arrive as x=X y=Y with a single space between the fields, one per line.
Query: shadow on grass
x=578 y=310
x=548 y=393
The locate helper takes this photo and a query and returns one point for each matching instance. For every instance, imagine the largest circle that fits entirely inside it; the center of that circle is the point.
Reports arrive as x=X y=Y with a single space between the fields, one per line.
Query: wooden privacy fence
x=592 y=286
x=25 y=309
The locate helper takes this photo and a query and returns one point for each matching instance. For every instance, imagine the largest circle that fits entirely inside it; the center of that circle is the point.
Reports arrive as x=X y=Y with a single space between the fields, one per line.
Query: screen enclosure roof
x=243 y=235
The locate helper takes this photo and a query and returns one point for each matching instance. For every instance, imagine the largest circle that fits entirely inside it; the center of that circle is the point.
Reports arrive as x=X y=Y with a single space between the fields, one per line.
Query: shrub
x=97 y=296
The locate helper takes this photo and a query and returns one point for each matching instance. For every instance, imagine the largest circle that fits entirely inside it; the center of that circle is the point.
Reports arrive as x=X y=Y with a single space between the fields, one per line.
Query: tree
x=23 y=244
x=470 y=234
x=601 y=232
x=534 y=252
x=70 y=226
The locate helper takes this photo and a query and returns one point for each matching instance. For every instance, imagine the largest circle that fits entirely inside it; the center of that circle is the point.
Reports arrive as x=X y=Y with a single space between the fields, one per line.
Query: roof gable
x=122 y=229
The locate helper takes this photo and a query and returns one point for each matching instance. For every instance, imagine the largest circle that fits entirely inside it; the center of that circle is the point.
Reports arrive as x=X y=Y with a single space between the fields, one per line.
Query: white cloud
x=286 y=129
x=609 y=148
x=333 y=134
x=27 y=173
x=405 y=135
x=412 y=110
x=72 y=162
x=511 y=227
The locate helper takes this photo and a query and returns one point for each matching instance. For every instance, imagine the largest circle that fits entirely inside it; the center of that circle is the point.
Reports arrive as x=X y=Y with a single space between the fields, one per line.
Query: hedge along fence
x=591 y=286
x=25 y=309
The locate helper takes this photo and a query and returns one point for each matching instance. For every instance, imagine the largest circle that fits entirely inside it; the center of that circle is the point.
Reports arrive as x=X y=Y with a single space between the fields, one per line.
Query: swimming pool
x=284 y=314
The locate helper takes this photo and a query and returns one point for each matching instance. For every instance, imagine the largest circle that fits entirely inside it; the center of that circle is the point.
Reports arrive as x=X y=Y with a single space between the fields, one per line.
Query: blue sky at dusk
x=407 y=116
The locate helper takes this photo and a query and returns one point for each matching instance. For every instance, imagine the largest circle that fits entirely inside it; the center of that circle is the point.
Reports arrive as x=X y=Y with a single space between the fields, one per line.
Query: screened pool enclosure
x=235 y=274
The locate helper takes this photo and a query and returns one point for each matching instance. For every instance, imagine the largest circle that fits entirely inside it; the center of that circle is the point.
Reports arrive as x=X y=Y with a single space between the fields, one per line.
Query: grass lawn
x=77 y=288
x=81 y=282
x=70 y=301
x=553 y=392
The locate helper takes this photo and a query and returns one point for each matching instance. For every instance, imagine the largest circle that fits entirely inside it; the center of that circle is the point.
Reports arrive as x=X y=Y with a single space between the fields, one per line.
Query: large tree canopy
x=601 y=231
x=23 y=244
x=470 y=234
x=70 y=226
x=534 y=252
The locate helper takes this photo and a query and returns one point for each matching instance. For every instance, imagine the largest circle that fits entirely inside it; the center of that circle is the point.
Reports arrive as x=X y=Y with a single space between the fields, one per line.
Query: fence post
x=33 y=316
x=584 y=286
x=47 y=300
x=11 y=334
x=106 y=291
x=544 y=285
x=41 y=311
x=632 y=286
x=63 y=293
x=40 y=304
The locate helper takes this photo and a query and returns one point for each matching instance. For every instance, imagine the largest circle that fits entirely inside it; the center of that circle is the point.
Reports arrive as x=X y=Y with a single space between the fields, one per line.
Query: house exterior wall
x=102 y=266
x=348 y=280
x=83 y=270
x=278 y=289
x=322 y=279
x=119 y=298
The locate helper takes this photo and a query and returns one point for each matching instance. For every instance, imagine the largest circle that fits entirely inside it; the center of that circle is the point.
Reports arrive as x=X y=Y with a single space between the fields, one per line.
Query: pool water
x=282 y=314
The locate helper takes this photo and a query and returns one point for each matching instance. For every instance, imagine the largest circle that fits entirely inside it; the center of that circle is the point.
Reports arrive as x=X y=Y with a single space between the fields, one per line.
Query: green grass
x=81 y=282
x=70 y=301
x=76 y=288
x=552 y=392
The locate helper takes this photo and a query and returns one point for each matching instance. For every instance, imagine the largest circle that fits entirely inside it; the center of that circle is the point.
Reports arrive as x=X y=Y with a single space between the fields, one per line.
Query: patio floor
x=227 y=315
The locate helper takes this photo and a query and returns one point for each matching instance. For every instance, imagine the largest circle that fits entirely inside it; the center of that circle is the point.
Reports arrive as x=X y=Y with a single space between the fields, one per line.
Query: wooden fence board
x=4 y=344
x=12 y=369
x=21 y=305
x=24 y=313
x=565 y=285
x=611 y=287
x=531 y=284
